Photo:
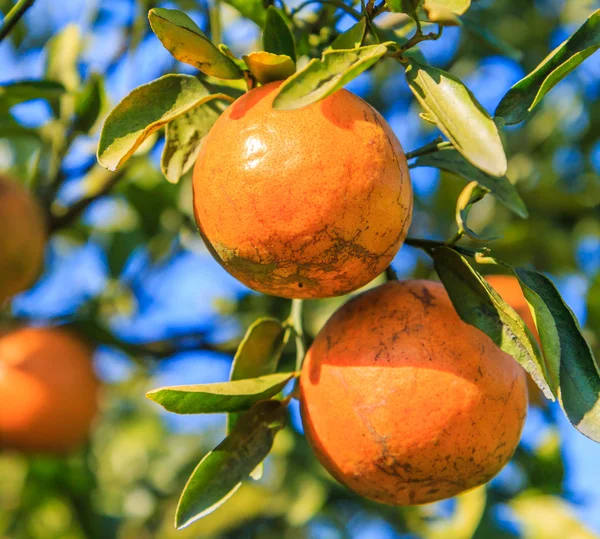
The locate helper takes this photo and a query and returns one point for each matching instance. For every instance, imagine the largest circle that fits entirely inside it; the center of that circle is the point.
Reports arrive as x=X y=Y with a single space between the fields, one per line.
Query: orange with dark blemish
x=307 y=203
x=510 y=291
x=48 y=390
x=404 y=403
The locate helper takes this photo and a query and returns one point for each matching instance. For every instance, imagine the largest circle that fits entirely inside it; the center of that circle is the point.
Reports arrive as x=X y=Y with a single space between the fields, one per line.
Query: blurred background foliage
x=126 y=266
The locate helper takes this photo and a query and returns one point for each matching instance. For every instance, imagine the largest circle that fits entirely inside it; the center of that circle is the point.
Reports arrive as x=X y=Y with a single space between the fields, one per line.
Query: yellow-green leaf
x=145 y=110
x=572 y=366
x=268 y=67
x=478 y=304
x=451 y=161
x=258 y=354
x=277 y=37
x=459 y=116
x=322 y=77
x=220 y=473
x=221 y=397
x=184 y=134
x=351 y=38
x=182 y=37
x=521 y=99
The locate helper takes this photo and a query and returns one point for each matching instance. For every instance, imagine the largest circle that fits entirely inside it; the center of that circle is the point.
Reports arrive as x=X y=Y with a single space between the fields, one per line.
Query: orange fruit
x=48 y=390
x=404 y=403
x=510 y=291
x=305 y=203
x=22 y=239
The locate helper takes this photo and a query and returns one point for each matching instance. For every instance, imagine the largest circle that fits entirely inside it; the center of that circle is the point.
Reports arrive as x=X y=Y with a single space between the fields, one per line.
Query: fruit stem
x=435 y=146
x=215 y=22
x=295 y=320
x=14 y=16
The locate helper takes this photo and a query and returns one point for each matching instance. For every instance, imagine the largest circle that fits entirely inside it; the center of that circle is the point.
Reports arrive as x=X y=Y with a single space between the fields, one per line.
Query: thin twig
x=60 y=221
x=14 y=16
x=435 y=146
x=295 y=320
x=335 y=3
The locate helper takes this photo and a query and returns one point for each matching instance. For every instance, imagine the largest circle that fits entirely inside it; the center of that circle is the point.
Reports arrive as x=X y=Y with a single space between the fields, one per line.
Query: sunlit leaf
x=250 y=9
x=145 y=110
x=445 y=12
x=462 y=524
x=221 y=397
x=277 y=37
x=182 y=37
x=500 y=187
x=322 y=77
x=220 y=473
x=258 y=354
x=183 y=137
x=351 y=38
x=63 y=51
x=405 y=6
x=547 y=517
x=478 y=304
x=459 y=116
x=470 y=195
x=267 y=67
x=569 y=358
x=528 y=92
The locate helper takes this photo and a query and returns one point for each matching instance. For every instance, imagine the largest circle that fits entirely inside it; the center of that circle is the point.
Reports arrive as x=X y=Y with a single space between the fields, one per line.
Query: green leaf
x=26 y=90
x=183 y=137
x=144 y=111
x=446 y=12
x=323 y=77
x=220 y=473
x=90 y=103
x=457 y=7
x=459 y=116
x=570 y=360
x=478 y=304
x=258 y=354
x=267 y=67
x=222 y=397
x=250 y=9
x=522 y=98
x=351 y=38
x=405 y=6
x=187 y=43
x=63 y=51
x=470 y=195
x=500 y=187
x=277 y=37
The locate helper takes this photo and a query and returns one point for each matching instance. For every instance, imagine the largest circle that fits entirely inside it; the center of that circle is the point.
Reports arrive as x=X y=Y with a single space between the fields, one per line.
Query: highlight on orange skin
x=404 y=403
x=48 y=390
x=510 y=291
x=307 y=203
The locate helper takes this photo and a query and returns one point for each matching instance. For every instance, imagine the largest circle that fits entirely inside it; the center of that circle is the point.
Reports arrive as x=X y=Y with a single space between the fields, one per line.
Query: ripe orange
x=48 y=390
x=404 y=403
x=22 y=239
x=510 y=291
x=305 y=203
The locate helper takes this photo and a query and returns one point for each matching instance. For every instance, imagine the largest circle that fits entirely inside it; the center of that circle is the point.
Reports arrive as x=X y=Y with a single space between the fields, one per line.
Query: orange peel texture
x=404 y=403
x=305 y=203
